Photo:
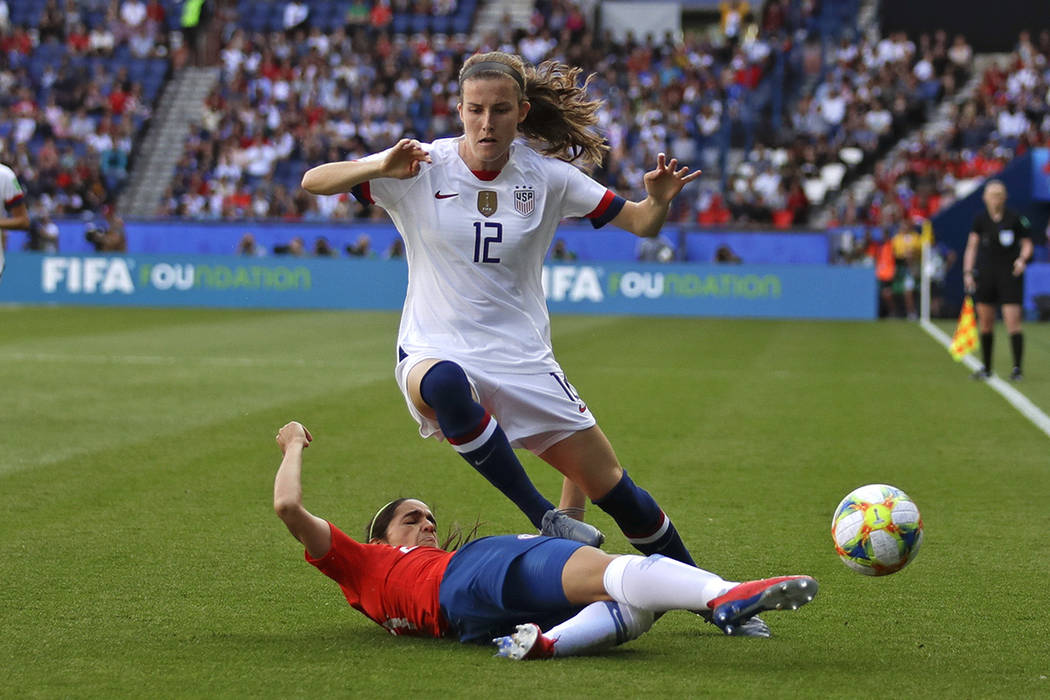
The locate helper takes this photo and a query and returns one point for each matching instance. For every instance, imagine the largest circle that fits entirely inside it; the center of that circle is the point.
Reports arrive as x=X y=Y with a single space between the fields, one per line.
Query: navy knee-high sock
x=646 y=526
x=474 y=433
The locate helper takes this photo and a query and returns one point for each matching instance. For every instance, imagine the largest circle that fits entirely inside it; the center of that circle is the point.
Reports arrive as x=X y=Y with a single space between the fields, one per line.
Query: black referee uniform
x=999 y=247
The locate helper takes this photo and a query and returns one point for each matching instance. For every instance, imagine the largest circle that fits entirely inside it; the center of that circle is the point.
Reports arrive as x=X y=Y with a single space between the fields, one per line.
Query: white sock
x=658 y=583
x=599 y=625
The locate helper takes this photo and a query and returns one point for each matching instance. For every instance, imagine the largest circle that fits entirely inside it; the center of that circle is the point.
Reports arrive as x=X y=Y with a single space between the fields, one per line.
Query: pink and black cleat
x=747 y=599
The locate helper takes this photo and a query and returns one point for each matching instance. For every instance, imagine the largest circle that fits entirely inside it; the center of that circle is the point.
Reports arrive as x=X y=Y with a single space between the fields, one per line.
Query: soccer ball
x=877 y=529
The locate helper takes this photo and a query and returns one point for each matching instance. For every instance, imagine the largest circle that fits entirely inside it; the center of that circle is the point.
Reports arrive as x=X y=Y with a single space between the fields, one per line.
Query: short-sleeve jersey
x=11 y=192
x=475 y=250
x=396 y=587
x=1000 y=240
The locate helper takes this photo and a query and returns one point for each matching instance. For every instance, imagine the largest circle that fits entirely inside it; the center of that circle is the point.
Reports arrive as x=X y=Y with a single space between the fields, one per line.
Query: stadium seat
x=461 y=24
x=401 y=23
x=441 y=24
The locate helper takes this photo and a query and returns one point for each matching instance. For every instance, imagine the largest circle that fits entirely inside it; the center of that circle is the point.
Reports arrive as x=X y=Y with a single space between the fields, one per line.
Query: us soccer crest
x=524 y=200
x=487 y=202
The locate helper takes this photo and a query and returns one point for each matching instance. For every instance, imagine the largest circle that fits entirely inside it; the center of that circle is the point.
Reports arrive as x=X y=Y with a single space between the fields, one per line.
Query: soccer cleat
x=751 y=627
x=526 y=644
x=1016 y=375
x=736 y=606
x=558 y=524
x=980 y=375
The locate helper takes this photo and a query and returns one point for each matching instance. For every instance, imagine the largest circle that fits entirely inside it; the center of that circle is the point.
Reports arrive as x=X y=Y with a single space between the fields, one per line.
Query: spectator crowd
x=78 y=81
x=290 y=99
x=307 y=82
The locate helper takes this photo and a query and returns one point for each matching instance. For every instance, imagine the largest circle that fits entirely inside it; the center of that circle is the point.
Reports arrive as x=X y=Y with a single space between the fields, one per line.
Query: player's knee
x=636 y=621
x=613 y=578
x=445 y=384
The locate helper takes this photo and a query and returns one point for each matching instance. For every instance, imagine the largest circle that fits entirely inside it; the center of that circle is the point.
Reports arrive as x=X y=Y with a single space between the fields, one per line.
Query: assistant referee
x=997 y=252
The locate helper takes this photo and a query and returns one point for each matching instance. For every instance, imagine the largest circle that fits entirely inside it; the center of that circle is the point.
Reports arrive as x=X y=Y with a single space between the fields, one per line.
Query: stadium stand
x=79 y=81
x=696 y=98
x=1004 y=116
x=788 y=110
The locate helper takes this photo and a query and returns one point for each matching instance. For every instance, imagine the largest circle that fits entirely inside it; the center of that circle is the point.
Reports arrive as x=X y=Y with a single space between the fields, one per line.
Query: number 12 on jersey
x=481 y=243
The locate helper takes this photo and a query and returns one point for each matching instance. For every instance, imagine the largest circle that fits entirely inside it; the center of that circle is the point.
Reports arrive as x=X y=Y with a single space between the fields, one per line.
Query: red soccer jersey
x=397 y=587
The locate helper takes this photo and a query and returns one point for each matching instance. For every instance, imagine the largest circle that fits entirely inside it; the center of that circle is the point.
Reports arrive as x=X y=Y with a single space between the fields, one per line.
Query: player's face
x=491 y=112
x=412 y=525
x=995 y=196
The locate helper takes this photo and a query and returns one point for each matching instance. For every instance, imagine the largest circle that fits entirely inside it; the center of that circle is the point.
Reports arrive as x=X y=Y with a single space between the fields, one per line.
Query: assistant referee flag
x=965 y=339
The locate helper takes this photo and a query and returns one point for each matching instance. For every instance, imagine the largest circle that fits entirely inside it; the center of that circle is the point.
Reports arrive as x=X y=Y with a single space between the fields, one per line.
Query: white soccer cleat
x=526 y=644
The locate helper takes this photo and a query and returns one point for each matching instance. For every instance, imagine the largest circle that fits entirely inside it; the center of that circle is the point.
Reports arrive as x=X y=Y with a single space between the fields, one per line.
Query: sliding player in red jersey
x=534 y=597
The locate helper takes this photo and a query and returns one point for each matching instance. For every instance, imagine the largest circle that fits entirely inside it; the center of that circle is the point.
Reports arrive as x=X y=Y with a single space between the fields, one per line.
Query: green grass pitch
x=141 y=557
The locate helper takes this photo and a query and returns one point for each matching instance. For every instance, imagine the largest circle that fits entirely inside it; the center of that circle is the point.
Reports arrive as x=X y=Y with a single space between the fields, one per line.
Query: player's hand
x=403 y=159
x=294 y=433
x=667 y=180
x=1019 y=267
x=969 y=286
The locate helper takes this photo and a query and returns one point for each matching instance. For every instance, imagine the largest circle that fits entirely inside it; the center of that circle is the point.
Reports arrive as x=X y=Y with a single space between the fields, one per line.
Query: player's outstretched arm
x=662 y=184
x=312 y=531
x=400 y=161
x=18 y=218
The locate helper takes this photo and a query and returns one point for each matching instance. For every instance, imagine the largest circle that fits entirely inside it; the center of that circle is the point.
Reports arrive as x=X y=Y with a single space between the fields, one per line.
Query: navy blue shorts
x=495 y=583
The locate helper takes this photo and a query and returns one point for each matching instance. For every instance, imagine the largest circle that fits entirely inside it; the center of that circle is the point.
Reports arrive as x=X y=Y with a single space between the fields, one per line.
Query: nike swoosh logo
x=583 y=407
x=479 y=462
x=438 y=195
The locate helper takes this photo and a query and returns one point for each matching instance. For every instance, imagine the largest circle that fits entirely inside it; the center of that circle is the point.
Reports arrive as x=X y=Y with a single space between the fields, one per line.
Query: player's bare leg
x=587 y=458
x=440 y=390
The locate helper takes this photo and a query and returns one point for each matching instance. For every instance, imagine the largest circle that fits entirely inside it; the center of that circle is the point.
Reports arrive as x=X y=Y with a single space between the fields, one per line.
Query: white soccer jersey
x=10 y=195
x=10 y=190
x=475 y=250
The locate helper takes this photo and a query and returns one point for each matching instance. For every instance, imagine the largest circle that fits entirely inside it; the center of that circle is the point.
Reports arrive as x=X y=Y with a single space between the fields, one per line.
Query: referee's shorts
x=999 y=286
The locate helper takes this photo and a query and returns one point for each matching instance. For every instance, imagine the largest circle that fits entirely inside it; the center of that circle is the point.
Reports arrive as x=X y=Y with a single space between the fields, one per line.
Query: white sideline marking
x=1015 y=398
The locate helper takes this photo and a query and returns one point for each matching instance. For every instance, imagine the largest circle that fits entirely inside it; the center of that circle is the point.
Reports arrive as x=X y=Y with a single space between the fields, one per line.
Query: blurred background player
x=507 y=589
x=997 y=253
x=13 y=211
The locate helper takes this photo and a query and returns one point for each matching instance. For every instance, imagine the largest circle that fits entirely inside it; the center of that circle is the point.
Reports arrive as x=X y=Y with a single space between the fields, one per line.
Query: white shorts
x=535 y=411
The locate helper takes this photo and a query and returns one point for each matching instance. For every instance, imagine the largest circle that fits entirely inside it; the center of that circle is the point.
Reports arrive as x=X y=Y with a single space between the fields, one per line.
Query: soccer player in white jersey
x=13 y=211
x=477 y=214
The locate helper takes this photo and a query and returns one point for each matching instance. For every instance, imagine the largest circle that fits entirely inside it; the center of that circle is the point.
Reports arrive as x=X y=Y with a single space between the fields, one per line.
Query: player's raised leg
x=441 y=387
x=589 y=460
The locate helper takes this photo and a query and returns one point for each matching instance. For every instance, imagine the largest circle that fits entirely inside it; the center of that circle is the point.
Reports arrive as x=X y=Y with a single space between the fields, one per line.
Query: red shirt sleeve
x=344 y=561
x=396 y=587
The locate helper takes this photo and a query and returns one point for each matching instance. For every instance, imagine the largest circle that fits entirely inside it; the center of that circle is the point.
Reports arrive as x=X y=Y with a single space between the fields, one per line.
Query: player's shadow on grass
x=336 y=642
